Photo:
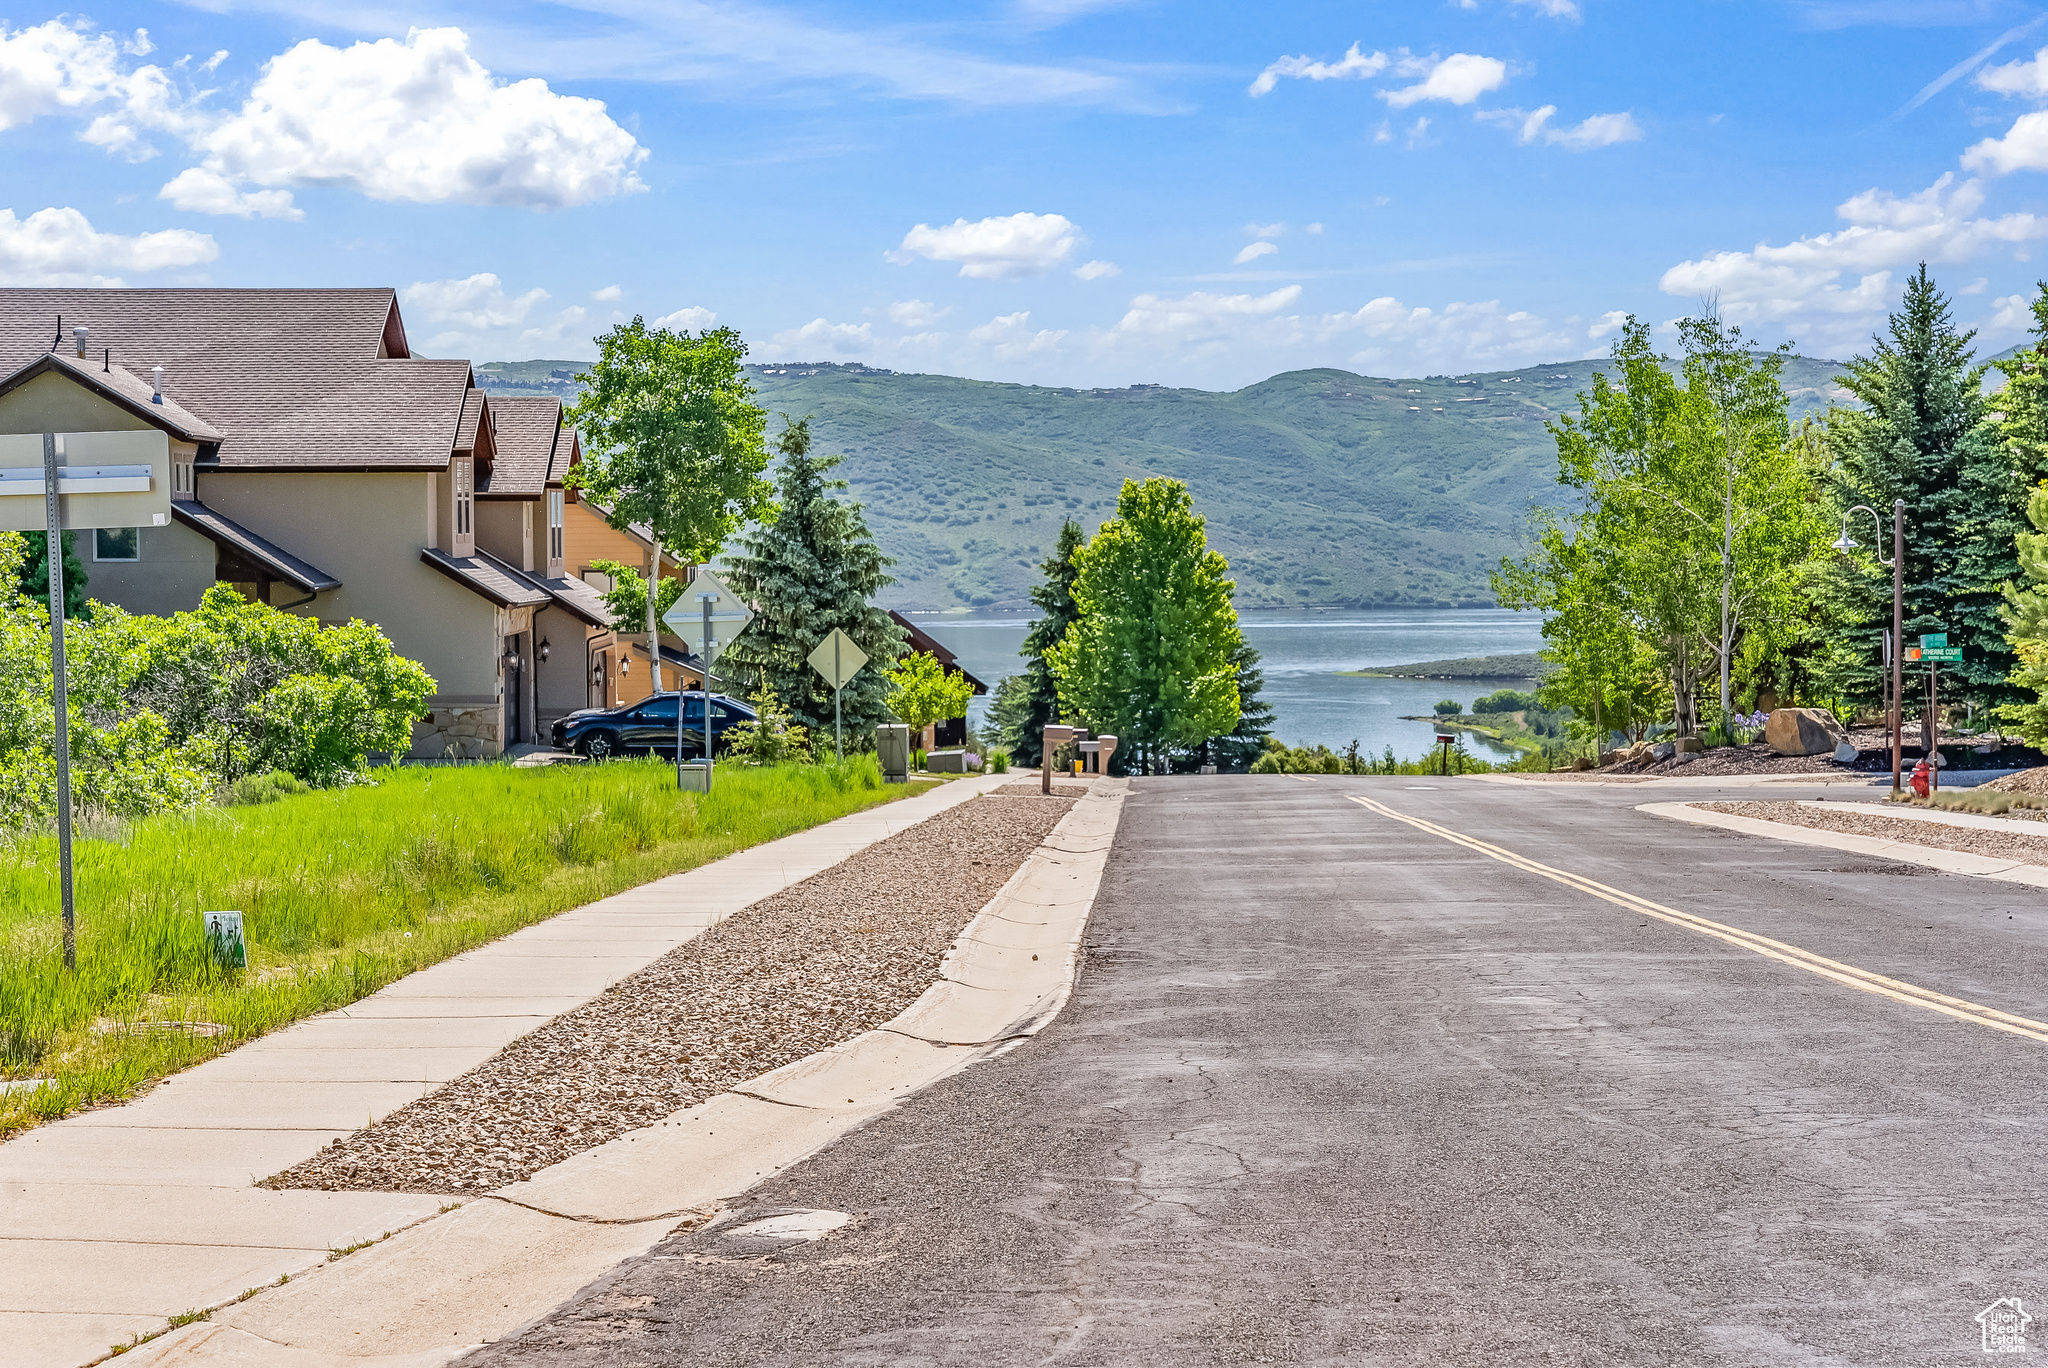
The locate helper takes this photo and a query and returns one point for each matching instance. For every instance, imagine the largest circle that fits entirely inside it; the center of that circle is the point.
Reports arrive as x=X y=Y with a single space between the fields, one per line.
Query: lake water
x=1303 y=655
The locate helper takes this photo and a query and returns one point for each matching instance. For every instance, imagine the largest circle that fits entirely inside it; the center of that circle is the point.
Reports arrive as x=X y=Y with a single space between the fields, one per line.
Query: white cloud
x=1313 y=229
x=1198 y=317
x=1264 y=230
x=417 y=120
x=1601 y=130
x=476 y=302
x=1097 y=270
x=1355 y=65
x=1608 y=323
x=1384 y=133
x=2023 y=148
x=55 y=67
x=1459 y=79
x=2026 y=77
x=915 y=313
x=1835 y=285
x=608 y=294
x=1012 y=338
x=822 y=335
x=61 y=247
x=476 y=317
x=2010 y=313
x=994 y=248
x=1977 y=286
x=1382 y=334
x=1418 y=132
x=1254 y=252
x=692 y=319
x=1551 y=9
x=200 y=191
x=421 y=120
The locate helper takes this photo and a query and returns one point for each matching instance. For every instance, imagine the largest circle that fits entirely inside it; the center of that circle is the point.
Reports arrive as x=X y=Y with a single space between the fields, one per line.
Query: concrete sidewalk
x=114 y=1221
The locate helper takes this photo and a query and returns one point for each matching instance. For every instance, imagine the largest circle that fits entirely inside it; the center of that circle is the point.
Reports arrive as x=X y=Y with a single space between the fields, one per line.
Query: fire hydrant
x=1921 y=772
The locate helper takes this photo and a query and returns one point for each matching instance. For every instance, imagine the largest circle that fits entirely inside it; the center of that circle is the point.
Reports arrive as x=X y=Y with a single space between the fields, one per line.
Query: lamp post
x=1846 y=544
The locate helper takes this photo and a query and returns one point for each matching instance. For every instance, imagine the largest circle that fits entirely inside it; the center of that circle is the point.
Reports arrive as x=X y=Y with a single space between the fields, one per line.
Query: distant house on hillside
x=319 y=466
x=952 y=731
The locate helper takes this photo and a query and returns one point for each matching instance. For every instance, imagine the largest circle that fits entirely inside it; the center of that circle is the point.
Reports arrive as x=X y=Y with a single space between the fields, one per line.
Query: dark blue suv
x=649 y=727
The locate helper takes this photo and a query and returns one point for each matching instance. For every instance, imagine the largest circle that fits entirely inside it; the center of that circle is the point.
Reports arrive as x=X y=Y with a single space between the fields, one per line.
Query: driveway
x=1338 y=1088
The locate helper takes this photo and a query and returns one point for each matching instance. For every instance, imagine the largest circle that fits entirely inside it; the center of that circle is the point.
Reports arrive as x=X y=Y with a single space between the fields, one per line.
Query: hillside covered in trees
x=1323 y=488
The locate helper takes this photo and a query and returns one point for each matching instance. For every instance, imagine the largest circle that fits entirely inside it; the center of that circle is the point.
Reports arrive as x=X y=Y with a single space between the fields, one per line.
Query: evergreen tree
x=1028 y=708
x=813 y=569
x=1923 y=435
x=1254 y=715
x=2024 y=401
x=35 y=573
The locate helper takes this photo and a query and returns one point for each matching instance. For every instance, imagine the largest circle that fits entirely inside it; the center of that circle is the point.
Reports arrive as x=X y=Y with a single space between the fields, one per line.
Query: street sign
x=729 y=617
x=1937 y=640
x=104 y=479
x=1950 y=653
x=838 y=659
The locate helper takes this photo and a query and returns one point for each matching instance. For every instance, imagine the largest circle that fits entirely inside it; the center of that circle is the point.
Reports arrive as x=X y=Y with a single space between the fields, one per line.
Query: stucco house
x=320 y=466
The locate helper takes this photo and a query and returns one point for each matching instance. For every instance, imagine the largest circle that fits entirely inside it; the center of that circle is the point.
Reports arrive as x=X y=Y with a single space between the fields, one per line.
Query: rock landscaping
x=820 y=962
x=1861 y=819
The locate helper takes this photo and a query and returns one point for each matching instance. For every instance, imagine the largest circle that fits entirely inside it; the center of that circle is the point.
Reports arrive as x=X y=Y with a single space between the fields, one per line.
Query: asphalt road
x=1336 y=1090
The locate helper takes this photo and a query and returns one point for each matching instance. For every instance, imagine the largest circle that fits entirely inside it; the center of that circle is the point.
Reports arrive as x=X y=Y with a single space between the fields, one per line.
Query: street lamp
x=1846 y=544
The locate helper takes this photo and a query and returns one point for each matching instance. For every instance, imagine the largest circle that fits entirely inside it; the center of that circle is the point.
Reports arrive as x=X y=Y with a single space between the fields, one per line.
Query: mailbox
x=892 y=749
x=1053 y=739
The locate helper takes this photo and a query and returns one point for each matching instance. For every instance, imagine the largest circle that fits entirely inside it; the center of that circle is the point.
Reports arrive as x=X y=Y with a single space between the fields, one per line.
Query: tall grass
x=342 y=892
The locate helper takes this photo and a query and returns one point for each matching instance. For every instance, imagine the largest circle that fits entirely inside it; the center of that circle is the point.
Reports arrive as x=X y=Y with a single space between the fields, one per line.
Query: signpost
x=58 y=482
x=724 y=618
x=838 y=660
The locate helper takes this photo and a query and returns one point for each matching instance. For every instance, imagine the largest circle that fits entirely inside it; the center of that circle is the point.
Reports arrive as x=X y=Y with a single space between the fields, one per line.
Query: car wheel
x=600 y=745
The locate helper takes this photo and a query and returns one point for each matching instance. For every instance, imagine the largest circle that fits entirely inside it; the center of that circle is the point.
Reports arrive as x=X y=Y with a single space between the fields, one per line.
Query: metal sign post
x=53 y=524
x=127 y=483
x=838 y=660
x=717 y=626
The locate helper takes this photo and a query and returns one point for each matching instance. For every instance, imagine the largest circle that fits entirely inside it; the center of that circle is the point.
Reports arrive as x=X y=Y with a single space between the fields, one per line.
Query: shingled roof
x=292 y=379
x=529 y=433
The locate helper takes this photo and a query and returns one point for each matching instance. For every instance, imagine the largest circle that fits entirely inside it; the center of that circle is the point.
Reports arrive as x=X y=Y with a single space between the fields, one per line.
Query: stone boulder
x=1802 y=731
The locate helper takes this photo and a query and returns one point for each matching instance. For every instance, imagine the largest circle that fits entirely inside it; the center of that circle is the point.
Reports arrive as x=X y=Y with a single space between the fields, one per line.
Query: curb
x=494 y=1265
x=1947 y=861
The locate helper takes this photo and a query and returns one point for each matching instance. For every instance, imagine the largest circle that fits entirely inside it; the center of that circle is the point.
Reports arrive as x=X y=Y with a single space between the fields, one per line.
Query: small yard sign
x=224 y=938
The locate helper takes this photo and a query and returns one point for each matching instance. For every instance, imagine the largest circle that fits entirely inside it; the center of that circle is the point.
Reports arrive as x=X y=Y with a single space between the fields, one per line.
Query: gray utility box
x=946 y=761
x=892 y=748
x=693 y=776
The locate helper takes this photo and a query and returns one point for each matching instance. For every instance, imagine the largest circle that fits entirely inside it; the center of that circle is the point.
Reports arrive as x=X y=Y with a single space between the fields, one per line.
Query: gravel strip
x=1998 y=845
x=820 y=962
x=2033 y=781
x=1058 y=790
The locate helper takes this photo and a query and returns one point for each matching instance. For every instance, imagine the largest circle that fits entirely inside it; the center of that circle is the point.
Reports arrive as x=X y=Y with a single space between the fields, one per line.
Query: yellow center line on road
x=1847 y=974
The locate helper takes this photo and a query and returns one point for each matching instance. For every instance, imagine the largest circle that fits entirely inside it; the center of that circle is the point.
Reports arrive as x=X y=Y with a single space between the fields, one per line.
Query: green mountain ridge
x=1323 y=488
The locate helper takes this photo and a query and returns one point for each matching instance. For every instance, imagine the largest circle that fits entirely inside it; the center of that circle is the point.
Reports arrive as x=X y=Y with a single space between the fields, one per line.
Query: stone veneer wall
x=468 y=731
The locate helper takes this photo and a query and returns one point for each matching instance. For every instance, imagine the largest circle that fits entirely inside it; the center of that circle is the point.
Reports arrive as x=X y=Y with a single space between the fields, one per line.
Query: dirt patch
x=2026 y=781
x=1030 y=790
x=820 y=962
x=1860 y=819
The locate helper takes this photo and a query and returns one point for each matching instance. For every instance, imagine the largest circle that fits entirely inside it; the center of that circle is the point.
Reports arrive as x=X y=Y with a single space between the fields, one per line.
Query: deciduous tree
x=673 y=442
x=1152 y=655
x=1028 y=707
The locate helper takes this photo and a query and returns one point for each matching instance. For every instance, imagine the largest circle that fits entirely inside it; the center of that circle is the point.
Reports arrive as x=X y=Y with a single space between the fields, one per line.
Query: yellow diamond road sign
x=838 y=659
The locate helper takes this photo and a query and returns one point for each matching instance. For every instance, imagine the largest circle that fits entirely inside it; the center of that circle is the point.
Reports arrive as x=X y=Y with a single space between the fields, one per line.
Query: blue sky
x=1064 y=191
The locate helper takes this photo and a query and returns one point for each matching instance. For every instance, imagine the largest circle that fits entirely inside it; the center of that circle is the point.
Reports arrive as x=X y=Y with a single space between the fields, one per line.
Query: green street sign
x=1934 y=640
x=1941 y=653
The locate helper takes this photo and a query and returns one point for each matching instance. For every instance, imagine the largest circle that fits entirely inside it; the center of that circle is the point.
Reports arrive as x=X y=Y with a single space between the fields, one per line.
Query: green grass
x=343 y=892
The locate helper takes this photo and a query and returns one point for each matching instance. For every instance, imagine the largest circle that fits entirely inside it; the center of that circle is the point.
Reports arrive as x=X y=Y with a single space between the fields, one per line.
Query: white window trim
x=555 y=532
x=183 y=485
x=98 y=559
x=463 y=514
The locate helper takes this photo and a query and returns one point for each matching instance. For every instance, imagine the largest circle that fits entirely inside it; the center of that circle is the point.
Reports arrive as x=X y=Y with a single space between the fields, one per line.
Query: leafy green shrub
x=266 y=787
x=1449 y=707
x=998 y=760
x=773 y=737
x=1502 y=701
